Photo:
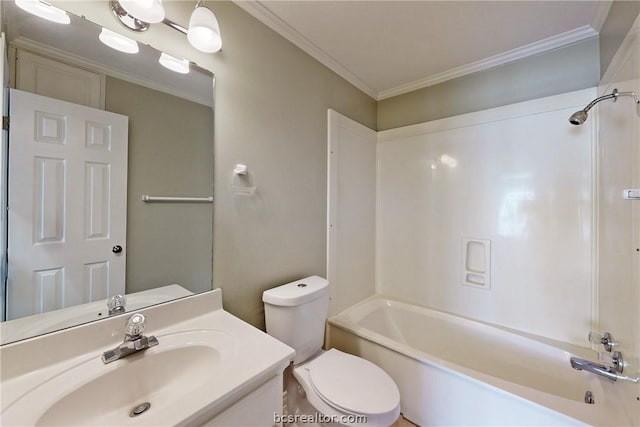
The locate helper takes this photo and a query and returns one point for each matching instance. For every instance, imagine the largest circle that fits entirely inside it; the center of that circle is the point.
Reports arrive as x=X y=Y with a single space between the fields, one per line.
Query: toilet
x=325 y=387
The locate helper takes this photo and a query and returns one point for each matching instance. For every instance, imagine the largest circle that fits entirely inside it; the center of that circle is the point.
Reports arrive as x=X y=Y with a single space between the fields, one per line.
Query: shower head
x=579 y=117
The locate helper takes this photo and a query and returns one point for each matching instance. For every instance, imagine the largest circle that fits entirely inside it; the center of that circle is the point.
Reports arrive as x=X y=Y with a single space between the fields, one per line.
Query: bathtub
x=455 y=371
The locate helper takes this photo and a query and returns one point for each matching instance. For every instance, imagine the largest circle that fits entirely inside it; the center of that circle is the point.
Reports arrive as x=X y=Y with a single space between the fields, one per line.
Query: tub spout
x=602 y=370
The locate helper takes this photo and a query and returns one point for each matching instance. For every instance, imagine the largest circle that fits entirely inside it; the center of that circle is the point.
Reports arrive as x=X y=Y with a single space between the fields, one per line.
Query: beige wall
x=563 y=70
x=171 y=154
x=618 y=23
x=271 y=114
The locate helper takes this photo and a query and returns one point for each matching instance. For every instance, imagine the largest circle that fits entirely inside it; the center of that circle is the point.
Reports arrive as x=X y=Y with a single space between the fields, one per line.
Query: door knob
x=116 y=249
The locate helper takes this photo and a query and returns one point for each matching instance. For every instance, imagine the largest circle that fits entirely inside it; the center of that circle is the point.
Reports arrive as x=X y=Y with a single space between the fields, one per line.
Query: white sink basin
x=205 y=361
x=92 y=393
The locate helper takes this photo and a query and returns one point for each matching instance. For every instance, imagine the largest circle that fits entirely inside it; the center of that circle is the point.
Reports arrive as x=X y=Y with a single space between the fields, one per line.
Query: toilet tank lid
x=297 y=292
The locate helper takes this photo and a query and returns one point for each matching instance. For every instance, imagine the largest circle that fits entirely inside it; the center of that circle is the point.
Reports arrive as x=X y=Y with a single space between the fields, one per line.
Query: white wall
x=619 y=219
x=351 y=229
x=519 y=175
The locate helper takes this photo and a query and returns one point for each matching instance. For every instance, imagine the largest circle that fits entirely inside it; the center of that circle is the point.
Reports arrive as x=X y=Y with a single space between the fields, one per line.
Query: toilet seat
x=353 y=384
x=347 y=384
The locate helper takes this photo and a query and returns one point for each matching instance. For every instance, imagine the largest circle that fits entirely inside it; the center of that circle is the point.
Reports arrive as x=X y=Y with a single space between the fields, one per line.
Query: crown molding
x=97 y=67
x=264 y=15
x=544 y=45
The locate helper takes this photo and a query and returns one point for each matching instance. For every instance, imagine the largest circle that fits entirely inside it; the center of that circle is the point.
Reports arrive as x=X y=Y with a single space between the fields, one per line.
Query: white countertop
x=249 y=359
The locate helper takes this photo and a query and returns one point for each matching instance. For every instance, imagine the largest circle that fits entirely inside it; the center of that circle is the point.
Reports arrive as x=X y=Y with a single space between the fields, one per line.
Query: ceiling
x=386 y=48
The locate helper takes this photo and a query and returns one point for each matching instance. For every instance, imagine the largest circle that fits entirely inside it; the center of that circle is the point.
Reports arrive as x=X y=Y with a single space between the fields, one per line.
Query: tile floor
x=402 y=422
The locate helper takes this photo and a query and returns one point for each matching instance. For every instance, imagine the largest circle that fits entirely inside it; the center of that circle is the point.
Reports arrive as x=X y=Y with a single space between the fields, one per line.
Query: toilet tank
x=296 y=313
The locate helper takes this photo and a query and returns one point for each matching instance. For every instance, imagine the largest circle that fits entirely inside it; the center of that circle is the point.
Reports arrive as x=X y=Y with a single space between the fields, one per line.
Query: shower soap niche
x=476 y=262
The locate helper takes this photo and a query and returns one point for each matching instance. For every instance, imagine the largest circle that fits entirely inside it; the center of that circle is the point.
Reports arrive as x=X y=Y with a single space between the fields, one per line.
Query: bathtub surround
x=519 y=176
x=577 y=266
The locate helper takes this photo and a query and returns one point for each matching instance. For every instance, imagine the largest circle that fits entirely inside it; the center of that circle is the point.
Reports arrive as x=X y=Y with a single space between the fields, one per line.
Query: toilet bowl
x=349 y=390
x=325 y=387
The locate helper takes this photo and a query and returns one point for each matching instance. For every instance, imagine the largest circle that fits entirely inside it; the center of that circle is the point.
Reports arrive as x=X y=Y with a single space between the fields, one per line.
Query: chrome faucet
x=610 y=372
x=133 y=342
x=116 y=304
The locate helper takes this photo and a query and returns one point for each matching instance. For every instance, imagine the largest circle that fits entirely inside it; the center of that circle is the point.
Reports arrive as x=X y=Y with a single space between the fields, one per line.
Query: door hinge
x=5 y=122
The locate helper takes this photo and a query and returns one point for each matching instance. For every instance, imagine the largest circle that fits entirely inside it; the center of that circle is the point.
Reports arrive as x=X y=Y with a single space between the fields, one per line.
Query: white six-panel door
x=67 y=204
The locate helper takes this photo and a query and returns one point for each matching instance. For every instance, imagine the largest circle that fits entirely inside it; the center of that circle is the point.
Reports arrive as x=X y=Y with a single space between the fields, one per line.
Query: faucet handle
x=135 y=325
x=116 y=304
x=606 y=340
x=614 y=360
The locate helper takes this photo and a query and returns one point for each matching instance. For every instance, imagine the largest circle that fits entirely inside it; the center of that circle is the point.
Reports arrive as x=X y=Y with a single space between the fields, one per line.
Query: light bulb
x=204 y=31
x=44 y=10
x=174 y=64
x=118 y=41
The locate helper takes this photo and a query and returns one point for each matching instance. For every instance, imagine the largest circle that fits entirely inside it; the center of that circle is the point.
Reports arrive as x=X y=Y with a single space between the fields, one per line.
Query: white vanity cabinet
x=258 y=408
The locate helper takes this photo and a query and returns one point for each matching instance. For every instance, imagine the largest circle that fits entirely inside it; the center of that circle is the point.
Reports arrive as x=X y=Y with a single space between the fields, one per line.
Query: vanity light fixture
x=174 y=64
x=203 y=32
x=44 y=10
x=150 y=11
x=118 y=42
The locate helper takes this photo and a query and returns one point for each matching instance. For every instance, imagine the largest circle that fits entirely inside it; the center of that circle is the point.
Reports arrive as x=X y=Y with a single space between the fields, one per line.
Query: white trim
x=576 y=99
x=264 y=15
x=595 y=224
x=332 y=179
x=4 y=155
x=87 y=64
x=545 y=45
x=379 y=223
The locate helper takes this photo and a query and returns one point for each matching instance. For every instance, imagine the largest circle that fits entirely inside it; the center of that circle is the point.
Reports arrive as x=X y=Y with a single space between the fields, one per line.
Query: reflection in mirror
x=93 y=130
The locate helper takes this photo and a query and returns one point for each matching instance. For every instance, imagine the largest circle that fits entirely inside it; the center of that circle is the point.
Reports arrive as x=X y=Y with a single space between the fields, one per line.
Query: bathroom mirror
x=156 y=250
